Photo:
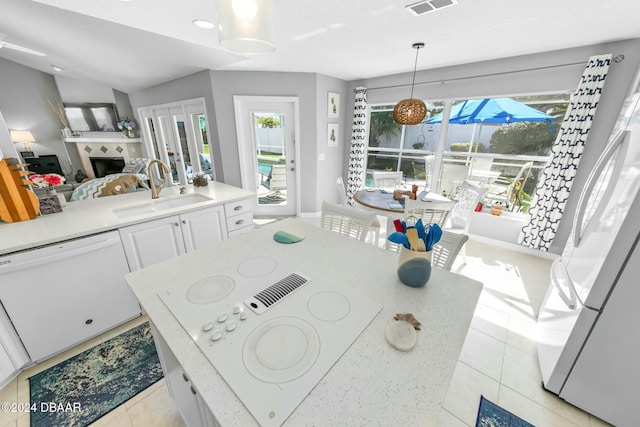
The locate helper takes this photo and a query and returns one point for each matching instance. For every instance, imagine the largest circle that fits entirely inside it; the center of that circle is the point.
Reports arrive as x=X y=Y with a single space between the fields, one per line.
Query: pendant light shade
x=246 y=26
x=411 y=111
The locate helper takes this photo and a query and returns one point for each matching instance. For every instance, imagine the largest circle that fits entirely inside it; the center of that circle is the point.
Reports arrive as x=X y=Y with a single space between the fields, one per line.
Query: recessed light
x=201 y=23
x=56 y=68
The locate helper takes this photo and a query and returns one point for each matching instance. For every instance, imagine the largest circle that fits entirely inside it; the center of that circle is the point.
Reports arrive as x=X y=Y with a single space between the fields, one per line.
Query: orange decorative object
x=17 y=203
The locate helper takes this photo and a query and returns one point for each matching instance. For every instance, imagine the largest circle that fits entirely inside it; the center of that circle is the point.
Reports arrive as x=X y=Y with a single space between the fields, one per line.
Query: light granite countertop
x=85 y=217
x=372 y=383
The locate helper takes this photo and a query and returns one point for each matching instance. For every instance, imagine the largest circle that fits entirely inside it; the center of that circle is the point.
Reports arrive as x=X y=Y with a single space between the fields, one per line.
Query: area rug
x=491 y=415
x=85 y=387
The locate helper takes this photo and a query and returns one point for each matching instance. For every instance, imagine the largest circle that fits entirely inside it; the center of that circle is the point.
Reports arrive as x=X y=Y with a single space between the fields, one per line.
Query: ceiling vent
x=427 y=6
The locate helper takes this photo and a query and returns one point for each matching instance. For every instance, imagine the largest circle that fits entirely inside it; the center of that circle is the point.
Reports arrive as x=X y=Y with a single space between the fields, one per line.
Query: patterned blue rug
x=491 y=415
x=85 y=387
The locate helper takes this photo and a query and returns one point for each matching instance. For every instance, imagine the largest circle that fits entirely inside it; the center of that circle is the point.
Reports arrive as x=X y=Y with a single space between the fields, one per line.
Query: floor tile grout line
x=533 y=402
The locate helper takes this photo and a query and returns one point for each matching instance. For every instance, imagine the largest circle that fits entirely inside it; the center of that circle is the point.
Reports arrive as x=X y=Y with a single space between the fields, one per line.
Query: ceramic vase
x=414 y=267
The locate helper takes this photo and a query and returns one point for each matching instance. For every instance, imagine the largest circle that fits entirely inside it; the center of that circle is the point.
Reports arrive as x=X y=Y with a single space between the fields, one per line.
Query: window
x=502 y=153
x=394 y=147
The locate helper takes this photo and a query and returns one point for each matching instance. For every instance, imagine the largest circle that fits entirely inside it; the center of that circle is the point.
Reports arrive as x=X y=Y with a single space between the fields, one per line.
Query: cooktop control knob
x=222 y=317
x=230 y=326
x=243 y=315
x=237 y=308
x=207 y=326
x=216 y=335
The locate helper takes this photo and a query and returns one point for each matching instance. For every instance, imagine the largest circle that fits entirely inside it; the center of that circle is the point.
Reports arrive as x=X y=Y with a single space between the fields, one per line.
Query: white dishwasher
x=62 y=294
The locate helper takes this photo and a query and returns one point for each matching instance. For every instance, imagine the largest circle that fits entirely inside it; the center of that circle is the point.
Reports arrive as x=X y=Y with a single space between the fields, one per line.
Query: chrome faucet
x=155 y=191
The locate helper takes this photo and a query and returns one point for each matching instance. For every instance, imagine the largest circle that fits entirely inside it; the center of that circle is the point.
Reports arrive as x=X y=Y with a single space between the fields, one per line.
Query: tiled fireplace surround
x=125 y=148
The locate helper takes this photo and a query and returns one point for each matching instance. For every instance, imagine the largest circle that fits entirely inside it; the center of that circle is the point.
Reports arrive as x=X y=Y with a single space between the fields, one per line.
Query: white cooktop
x=271 y=330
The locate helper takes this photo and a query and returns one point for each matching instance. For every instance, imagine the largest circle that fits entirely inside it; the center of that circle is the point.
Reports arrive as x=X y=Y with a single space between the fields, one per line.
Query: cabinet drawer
x=240 y=231
x=239 y=221
x=237 y=208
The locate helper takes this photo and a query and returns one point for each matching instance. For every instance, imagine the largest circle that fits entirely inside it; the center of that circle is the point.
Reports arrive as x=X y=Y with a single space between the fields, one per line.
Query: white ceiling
x=131 y=45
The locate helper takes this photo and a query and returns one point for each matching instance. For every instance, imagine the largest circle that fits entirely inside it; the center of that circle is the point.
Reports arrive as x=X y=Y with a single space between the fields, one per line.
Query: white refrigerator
x=588 y=329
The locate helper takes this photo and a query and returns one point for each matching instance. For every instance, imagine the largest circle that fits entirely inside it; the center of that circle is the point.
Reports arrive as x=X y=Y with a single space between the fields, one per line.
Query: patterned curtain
x=358 y=151
x=557 y=177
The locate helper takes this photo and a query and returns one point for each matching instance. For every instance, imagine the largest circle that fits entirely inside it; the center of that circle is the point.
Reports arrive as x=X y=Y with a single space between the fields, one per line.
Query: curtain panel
x=358 y=150
x=555 y=184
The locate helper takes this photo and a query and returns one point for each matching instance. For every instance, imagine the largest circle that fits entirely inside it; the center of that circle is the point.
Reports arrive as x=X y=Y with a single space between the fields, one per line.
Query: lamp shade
x=246 y=26
x=22 y=136
x=409 y=111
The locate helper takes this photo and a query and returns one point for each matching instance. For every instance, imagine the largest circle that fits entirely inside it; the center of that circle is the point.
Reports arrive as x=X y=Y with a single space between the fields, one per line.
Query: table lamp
x=25 y=137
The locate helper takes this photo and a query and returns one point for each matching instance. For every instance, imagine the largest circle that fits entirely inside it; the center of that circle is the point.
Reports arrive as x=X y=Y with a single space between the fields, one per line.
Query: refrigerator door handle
x=560 y=280
x=610 y=151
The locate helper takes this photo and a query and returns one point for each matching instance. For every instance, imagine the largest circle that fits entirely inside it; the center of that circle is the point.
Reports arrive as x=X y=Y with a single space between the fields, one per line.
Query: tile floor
x=498 y=359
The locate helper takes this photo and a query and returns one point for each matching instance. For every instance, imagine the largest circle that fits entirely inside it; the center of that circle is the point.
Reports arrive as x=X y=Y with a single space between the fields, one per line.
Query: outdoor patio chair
x=444 y=252
x=375 y=225
x=345 y=220
x=385 y=179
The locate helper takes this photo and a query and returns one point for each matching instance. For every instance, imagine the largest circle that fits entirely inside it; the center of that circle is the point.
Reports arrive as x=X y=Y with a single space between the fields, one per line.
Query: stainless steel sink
x=160 y=205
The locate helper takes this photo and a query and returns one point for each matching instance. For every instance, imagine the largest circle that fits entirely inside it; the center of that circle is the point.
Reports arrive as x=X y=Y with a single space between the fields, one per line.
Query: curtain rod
x=617 y=58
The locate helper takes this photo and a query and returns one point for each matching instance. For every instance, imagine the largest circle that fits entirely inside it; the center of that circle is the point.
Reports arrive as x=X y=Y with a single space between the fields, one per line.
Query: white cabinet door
x=151 y=242
x=203 y=227
x=192 y=408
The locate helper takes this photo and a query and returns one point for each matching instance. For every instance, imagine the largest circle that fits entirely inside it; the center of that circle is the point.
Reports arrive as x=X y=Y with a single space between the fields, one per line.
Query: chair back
x=342 y=191
x=346 y=220
x=429 y=212
x=467 y=199
x=447 y=249
x=384 y=179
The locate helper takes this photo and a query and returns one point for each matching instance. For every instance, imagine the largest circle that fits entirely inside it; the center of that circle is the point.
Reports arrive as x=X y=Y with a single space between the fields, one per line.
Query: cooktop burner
x=271 y=331
x=210 y=289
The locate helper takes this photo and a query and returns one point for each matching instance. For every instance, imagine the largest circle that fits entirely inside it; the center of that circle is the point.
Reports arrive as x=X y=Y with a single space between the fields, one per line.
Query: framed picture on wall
x=333 y=134
x=333 y=105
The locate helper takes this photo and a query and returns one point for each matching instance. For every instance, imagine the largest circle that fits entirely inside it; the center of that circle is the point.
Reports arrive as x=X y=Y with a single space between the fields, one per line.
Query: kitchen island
x=370 y=384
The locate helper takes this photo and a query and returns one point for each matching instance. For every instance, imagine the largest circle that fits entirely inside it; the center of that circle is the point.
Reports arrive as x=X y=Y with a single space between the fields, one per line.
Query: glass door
x=266 y=139
x=177 y=135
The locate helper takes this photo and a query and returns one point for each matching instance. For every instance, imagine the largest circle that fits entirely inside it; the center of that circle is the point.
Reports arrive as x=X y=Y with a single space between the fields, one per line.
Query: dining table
x=381 y=201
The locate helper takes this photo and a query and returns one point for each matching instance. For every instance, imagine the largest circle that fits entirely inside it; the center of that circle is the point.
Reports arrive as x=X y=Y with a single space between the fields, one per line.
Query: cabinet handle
x=237 y=208
x=88 y=321
x=193 y=391
x=240 y=221
x=185 y=378
x=176 y=224
x=184 y=221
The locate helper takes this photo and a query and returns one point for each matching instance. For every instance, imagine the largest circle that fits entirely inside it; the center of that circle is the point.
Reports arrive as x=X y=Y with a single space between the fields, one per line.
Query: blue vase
x=414 y=267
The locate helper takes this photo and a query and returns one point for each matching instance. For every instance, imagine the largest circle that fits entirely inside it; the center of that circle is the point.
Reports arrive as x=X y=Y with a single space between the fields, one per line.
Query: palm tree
x=382 y=124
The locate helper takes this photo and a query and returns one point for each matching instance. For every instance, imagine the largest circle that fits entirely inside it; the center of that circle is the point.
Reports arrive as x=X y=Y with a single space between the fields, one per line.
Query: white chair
x=384 y=179
x=467 y=199
x=444 y=252
x=375 y=225
x=346 y=220
x=429 y=212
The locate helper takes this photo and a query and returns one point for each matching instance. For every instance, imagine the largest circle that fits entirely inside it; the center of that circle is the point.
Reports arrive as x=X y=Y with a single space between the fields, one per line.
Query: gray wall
x=226 y=84
x=23 y=102
x=547 y=74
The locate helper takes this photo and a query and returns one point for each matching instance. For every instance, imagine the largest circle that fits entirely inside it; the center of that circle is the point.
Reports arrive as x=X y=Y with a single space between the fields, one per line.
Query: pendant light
x=246 y=26
x=411 y=111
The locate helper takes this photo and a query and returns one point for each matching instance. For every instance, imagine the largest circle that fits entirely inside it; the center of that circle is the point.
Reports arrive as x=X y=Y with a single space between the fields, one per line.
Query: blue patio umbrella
x=491 y=110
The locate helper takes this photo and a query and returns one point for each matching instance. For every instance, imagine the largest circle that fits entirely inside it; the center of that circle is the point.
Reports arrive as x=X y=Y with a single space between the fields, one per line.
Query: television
x=92 y=117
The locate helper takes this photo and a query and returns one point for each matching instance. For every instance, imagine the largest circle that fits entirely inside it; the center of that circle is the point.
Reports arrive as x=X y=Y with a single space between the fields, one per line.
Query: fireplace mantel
x=89 y=146
x=103 y=140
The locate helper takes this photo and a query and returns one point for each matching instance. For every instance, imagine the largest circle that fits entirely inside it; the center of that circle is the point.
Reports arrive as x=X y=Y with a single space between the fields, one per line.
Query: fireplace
x=103 y=166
